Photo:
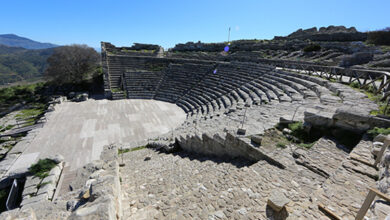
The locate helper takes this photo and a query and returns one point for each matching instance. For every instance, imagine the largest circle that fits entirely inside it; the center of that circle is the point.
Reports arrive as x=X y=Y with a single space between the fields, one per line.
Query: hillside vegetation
x=17 y=64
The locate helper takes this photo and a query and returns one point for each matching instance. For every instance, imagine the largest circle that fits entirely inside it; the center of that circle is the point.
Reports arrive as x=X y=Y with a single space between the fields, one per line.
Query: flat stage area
x=78 y=131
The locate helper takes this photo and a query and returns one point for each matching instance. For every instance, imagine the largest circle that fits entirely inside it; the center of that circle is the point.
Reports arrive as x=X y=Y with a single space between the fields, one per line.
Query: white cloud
x=237 y=28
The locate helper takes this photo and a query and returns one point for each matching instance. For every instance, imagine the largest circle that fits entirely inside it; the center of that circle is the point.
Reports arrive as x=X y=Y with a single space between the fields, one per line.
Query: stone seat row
x=206 y=90
x=216 y=96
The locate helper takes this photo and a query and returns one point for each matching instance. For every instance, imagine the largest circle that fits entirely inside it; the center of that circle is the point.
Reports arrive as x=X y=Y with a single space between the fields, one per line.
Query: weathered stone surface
x=6 y=138
x=286 y=131
x=83 y=174
x=16 y=214
x=256 y=139
x=31 y=181
x=105 y=209
x=376 y=148
x=46 y=209
x=35 y=199
x=380 y=138
x=31 y=190
x=57 y=158
x=277 y=200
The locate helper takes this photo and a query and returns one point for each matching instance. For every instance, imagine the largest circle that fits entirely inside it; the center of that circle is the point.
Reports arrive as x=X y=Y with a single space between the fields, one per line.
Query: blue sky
x=168 y=22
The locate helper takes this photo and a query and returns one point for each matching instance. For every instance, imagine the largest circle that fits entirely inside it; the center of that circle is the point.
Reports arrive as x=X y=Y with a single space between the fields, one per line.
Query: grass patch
x=29 y=113
x=116 y=90
x=42 y=167
x=6 y=128
x=274 y=138
x=370 y=92
x=298 y=131
x=122 y=151
x=355 y=85
x=377 y=131
x=308 y=145
x=298 y=135
x=281 y=145
x=15 y=94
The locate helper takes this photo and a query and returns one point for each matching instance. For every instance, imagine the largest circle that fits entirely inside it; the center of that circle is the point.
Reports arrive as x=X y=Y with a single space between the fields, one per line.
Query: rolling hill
x=19 y=64
x=13 y=40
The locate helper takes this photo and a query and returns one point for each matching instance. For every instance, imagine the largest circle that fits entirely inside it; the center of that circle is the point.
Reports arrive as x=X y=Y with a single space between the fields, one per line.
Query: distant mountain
x=13 y=40
x=18 y=63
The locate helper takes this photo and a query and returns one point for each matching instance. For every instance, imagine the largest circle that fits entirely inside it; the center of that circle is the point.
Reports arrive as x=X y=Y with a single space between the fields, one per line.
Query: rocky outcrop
x=136 y=50
x=97 y=196
x=100 y=197
x=330 y=33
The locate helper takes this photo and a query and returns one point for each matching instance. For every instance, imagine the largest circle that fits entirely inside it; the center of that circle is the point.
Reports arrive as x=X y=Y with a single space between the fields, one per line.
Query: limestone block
x=256 y=139
x=32 y=181
x=286 y=131
x=56 y=171
x=277 y=200
x=18 y=173
x=18 y=148
x=27 y=214
x=380 y=138
x=50 y=179
x=47 y=189
x=376 y=148
x=29 y=191
x=102 y=210
x=3 y=151
x=241 y=131
x=34 y=199
x=6 y=138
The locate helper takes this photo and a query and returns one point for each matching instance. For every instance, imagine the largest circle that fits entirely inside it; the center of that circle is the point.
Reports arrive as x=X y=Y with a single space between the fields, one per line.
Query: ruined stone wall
x=225 y=146
x=104 y=63
x=135 y=50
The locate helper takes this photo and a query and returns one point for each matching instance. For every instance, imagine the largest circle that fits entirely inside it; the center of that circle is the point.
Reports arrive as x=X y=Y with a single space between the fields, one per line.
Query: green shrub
x=28 y=113
x=42 y=167
x=312 y=47
x=381 y=37
x=355 y=85
x=298 y=131
x=376 y=131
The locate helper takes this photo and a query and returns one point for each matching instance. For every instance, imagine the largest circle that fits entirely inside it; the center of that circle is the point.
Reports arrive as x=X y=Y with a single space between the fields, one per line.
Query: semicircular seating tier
x=207 y=88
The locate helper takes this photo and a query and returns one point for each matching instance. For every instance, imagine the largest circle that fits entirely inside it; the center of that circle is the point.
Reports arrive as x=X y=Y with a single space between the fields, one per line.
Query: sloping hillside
x=18 y=64
x=13 y=40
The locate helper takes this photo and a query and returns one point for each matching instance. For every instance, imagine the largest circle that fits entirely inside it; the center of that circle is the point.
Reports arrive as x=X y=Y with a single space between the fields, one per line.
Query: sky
x=168 y=22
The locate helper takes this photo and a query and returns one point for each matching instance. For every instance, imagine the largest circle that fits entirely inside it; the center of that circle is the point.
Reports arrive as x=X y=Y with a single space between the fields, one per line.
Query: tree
x=381 y=37
x=72 y=64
